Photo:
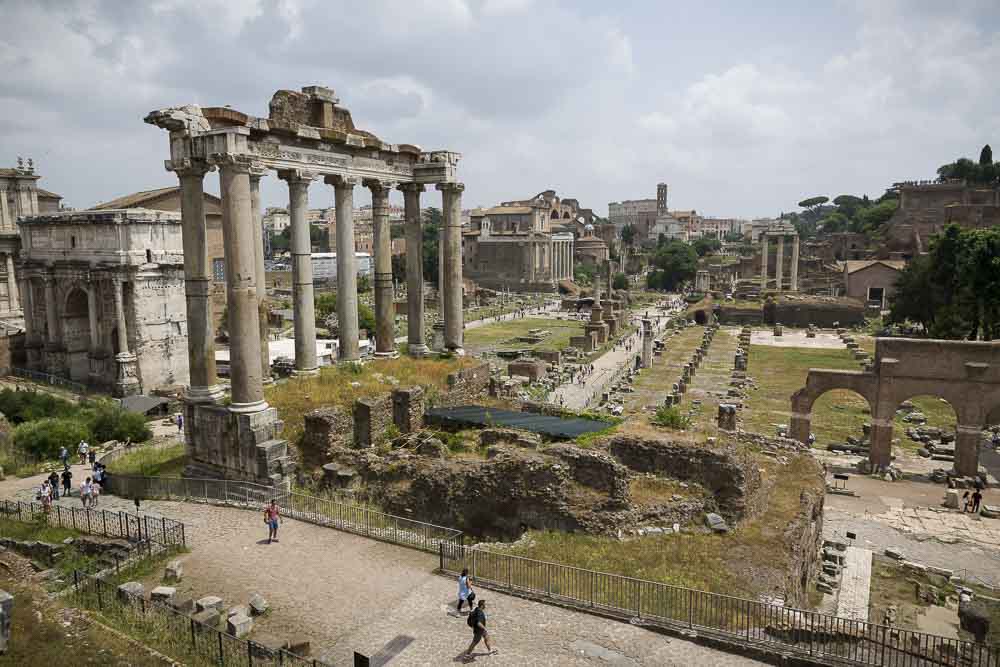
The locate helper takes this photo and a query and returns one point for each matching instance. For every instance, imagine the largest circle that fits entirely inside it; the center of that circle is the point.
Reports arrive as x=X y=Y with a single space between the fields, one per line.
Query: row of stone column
x=25 y=204
x=245 y=278
x=562 y=253
x=780 y=261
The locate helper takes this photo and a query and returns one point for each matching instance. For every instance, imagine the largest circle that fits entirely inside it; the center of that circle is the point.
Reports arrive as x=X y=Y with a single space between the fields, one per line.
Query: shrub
x=671 y=418
x=44 y=437
x=23 y=406
x=110 y=422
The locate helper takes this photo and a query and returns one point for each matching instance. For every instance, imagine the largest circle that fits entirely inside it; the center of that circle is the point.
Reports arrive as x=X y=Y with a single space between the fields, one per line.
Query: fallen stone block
x=174 y=571
x=209 y=602
x=951 y=499
x=258 y=605
x=183 y=605
x=990 y=511
x=894 y=553
x=131 y=591
x=162 y=594
x=239 y=625
x=716 y=523
x=207 y=618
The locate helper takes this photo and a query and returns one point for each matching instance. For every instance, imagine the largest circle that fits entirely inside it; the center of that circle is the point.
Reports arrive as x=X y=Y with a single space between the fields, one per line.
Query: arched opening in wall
x=841 y=417
x=555 y=215
x=700 y=317
x=566 y=215
x=926 y=425
x=76 y=334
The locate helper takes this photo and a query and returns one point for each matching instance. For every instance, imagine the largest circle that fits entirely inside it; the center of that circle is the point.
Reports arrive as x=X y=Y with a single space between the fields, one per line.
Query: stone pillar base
x=230 y=445
x=967 y=442
x=417 y=350
x=127 y=382
x=305 y=372
x=600 y=331
x=211 y=394
x=437 y=343
x=387 y=355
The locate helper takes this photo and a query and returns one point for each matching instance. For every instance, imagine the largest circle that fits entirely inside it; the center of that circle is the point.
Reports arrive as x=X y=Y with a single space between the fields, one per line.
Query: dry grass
x=342 y=384
x=647 y=490
x=750 y=561
x=501 y=335
x=152 y=462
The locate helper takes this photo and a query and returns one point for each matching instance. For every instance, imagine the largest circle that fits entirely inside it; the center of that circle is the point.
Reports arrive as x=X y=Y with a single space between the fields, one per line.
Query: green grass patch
x=35 y=530
x=671 y=418
x=502 y=335
x=152 y=461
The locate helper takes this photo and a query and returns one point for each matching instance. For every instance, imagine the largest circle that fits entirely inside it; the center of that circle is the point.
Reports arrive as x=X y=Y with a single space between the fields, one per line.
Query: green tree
x=432 y=222
x=705 y=245
x=628 y=234
x=108 y=421
x=620 y=281
x=326 y=305
x=584 y=272
x=673 y=262
x=870 y=219
x=986 y=156
x=44 y=437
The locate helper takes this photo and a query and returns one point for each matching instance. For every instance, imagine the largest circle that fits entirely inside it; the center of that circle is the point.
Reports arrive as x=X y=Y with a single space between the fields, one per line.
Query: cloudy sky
x=743 y=107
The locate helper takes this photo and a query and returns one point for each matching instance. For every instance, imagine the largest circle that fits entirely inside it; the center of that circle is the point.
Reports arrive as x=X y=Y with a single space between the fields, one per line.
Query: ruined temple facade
x=926 y=207
x=103 y=296
x=525 y=245
x=306 y=136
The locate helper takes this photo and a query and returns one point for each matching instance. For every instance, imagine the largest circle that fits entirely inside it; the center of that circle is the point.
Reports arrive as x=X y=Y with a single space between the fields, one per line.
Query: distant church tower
x=661 y=199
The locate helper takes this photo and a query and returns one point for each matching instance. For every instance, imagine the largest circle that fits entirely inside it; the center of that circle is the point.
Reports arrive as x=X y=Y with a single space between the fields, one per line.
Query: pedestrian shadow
x=265 y=542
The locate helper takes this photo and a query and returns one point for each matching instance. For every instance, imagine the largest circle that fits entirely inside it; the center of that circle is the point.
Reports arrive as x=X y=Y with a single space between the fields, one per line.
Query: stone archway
x=76 y=334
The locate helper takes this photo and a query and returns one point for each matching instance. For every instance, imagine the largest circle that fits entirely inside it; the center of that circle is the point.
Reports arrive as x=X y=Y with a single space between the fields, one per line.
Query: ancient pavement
x=348 y=593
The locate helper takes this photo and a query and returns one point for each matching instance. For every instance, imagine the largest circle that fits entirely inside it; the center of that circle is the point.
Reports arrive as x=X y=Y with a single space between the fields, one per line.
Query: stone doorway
x=76 y=334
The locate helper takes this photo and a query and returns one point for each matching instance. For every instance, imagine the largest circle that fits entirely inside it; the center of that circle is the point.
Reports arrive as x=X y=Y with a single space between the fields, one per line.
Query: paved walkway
x=855 y=584
x=345 y=593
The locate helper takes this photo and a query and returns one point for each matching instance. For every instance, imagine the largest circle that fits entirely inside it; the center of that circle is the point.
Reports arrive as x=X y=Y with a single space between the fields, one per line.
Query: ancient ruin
x=966 y=374
x=305 y=136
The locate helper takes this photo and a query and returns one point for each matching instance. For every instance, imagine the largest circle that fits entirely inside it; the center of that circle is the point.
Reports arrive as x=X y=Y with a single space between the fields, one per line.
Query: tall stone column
x=347 y=271
x=453 y=320
x=779 y=262
x=12 y=299
x=967 y=443
x=204 y=386
x=6 y=219
x=880 y=453
x=794 y=285
x=385 y=329
x=32 y=335
x=303 y=300
x=127 y=382
x=92 y=317
x=256 y=173
x=241 y=286
x=763 y=261
x=415 y=339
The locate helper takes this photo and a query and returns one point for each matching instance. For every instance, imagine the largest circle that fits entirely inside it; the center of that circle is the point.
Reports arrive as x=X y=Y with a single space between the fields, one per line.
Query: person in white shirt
x=82 y=450
x=85 y=493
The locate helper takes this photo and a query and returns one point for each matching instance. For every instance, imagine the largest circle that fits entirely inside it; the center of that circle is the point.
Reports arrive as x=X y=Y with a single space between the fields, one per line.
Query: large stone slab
x=239 y=625
x=209 y=602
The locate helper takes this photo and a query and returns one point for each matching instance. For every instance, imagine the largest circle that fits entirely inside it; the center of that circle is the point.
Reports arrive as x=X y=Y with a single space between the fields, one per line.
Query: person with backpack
x=465 y=592
x=477 y=621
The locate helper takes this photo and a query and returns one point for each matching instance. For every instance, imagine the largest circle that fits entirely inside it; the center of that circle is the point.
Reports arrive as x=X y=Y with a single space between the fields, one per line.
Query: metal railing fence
x=50 y=379
x=174 y=633
x=292 y=504
x=821 y=637
x=159 y=532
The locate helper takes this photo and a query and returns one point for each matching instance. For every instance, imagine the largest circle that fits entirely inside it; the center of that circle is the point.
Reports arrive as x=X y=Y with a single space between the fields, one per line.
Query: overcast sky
x=743 y=108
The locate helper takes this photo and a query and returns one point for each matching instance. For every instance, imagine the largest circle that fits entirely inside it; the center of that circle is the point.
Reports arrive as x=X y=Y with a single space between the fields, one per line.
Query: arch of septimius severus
x=306 y=137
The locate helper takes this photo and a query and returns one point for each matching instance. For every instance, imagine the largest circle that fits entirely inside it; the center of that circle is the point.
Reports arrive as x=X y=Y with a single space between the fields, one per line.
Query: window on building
x=876 y=294
x=72 y=242
x=219 y=269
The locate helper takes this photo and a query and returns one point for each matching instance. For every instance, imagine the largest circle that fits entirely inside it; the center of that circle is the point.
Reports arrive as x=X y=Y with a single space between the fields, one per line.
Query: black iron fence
x=50 y=379
x=821 y=637
x=174 y=633
x=292 y=504
x=158 y=532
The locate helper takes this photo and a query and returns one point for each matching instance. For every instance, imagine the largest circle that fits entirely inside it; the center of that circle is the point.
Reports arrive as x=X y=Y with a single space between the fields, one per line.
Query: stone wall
x=740 y=315
x=372 y=417
x=795 y=313
x=466 y=386
x=730 y=474
x=803 y=538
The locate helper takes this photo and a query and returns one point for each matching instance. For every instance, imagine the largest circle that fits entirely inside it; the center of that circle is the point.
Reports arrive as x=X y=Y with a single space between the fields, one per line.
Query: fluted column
x=303 y=300
x=13 y=302
x=763 y=261
x=795 y=264
x=347 y=272
x=256 y=173
x=127 y=382
x=451 y=194
x=6 y=219
x=385 y=330
x=92 y=318
x=204 y=386
x=415 y=340
x=779 y=261
x=241 y=286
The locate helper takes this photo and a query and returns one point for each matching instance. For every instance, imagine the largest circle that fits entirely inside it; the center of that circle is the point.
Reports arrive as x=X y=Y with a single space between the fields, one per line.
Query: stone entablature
x=101 y=306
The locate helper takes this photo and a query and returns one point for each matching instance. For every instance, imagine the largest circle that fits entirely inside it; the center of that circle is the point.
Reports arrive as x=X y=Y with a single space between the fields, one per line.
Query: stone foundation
x=227 y=445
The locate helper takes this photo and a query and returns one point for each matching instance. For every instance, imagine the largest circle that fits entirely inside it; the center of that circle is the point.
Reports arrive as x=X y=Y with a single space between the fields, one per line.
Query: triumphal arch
x=306 y=137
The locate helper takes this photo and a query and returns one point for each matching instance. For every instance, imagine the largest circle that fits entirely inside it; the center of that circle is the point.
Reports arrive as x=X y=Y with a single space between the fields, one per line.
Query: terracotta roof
x=135 y=199
x=45 y=193
x=854 y=265
x=505 y=210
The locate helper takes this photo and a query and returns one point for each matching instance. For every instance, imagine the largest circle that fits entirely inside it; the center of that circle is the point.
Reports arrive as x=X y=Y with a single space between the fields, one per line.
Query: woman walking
x=465 y=594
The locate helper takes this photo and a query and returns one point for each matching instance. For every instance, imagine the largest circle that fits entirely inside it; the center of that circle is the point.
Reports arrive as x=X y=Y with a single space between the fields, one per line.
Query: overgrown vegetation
x=152 y=462
x=954 y=290
x=44 y=423
x=671 y=418
x=340 y=385
x=673 y=263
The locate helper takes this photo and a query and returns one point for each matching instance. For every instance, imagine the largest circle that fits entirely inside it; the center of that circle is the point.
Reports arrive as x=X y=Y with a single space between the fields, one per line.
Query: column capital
x=410 y=187
x=379 y=187
x=257 y=171
x=297 y=176
x=232 y=162
x=338 y=181
x=450 y=187
x=188 y=167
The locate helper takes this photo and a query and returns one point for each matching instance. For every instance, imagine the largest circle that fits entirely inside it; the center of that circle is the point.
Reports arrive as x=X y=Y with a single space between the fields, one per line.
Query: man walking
x=82 y=450
x=67 y=481
x=64 y=456
x=271 y=519
x=477 y=621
